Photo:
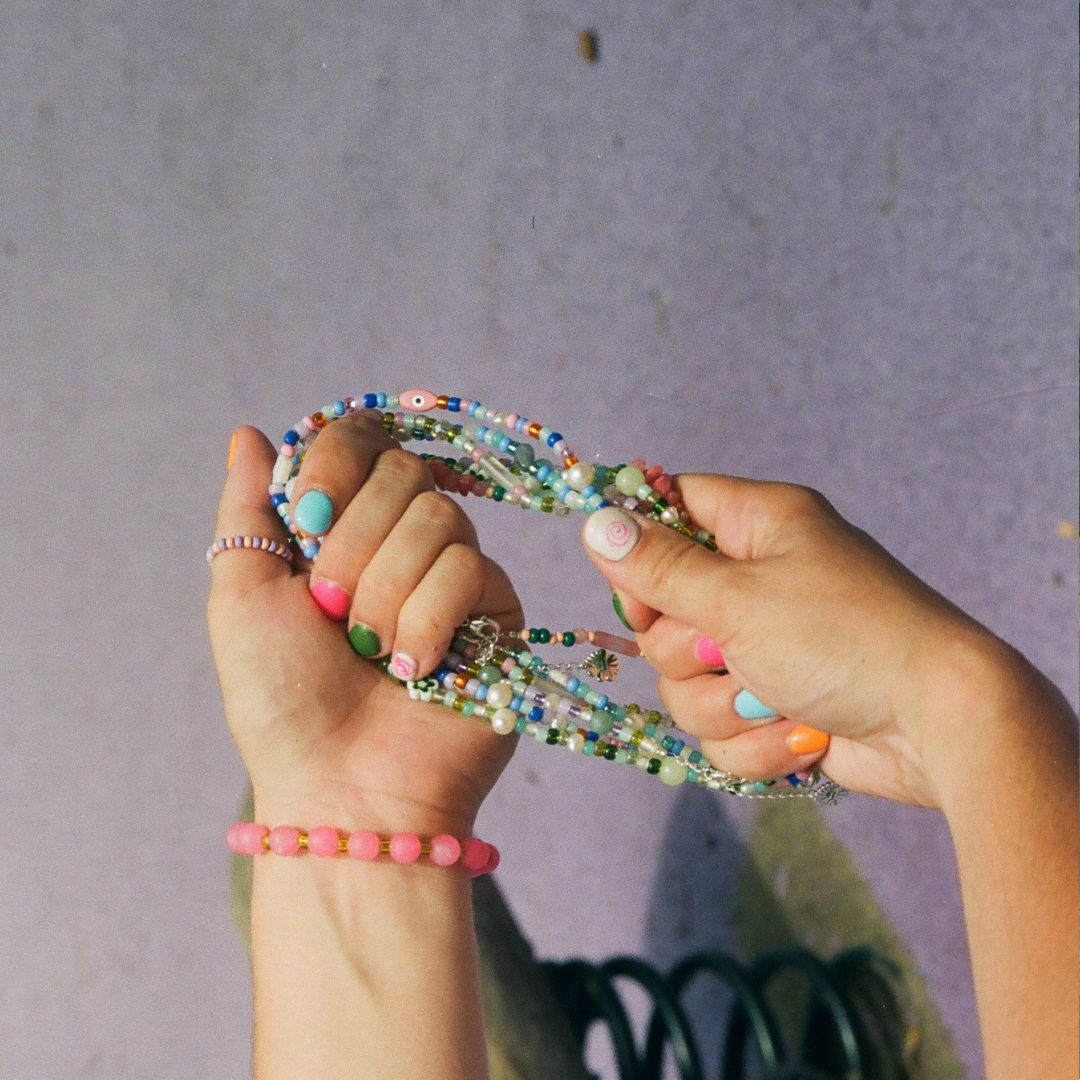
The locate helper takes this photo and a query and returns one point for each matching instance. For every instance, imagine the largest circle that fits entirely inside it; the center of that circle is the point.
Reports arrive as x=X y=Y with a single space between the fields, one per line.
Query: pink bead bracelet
x=249 y=838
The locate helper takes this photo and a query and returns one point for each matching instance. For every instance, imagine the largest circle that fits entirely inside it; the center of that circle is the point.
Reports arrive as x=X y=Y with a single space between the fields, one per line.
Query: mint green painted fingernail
x=314 y=513
x=749 y=708
x=616 y=603
x=364 y=640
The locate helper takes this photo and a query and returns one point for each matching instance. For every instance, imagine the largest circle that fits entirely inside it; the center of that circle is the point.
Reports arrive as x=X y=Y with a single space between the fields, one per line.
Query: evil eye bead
x=417 y=400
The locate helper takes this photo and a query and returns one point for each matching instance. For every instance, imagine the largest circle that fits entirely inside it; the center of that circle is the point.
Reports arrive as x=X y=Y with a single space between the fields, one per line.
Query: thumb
x=661 y=569
x=245 y=511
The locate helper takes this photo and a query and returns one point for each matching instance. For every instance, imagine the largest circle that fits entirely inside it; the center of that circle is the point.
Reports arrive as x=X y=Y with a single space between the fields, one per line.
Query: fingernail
x=611 y=533
x=232 y=449
x=314 y=513
x=364 y=640
x=616 y=603
x=708 y=652
x=332 y=598
x=807 y=740
x=403 y=667
x=749 y=708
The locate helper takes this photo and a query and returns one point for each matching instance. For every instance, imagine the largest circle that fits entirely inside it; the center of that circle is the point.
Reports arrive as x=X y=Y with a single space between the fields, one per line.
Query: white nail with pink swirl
x=403 y=666
x=612 y=533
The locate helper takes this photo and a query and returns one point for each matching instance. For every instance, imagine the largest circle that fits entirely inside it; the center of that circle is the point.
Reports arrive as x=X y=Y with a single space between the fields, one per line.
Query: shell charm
x=602 y=665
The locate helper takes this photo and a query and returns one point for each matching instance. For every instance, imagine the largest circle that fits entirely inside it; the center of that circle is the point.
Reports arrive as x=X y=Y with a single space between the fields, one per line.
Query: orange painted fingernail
x=807 y=740
x=232 y=449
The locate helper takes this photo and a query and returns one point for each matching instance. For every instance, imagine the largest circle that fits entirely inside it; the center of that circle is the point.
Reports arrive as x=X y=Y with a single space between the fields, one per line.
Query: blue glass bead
x=573 y=684
x=620 y=712
x=760 y=786
x=521 y=425
x=504 y=444
x=553 y=438
x=588 y=492
x=291 y=438
x=481 y=434
x=371 y=401
x=453 y=404
x=601 y=701
x=515 y=703
x=473 y=406
x=792 y=779
x=277 y=500
x=695 y=757
x=380 y=400
x=536 y=713
x=591 y=736
x=481 y=692
x=676 y=747
x=339 y=408
x=442 y=672
x=650 y=730
x=520 y=726
x=543 y=473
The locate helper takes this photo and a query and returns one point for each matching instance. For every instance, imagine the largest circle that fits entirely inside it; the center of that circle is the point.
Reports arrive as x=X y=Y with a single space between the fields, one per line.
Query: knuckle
x=440 y=511
x=400 y=468
x=799 y=502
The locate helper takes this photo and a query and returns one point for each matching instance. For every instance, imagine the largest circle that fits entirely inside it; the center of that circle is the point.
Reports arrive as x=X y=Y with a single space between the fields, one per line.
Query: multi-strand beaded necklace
x=490 y=675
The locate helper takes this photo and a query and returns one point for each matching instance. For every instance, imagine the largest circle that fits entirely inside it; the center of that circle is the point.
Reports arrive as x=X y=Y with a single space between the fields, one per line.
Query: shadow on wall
x=789 y=883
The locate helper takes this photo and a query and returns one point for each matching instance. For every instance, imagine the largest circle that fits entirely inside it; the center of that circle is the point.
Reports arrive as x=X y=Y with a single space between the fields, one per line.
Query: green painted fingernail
x=616 y=603
x=364 y=640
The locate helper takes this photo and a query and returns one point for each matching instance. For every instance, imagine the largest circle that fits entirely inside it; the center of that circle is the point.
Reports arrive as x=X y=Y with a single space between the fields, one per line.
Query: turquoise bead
x=602 y=721
x=489 y=675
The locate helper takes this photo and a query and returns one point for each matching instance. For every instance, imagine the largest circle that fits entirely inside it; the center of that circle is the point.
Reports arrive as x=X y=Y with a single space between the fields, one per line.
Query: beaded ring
x=492 y=676
x=254 y=543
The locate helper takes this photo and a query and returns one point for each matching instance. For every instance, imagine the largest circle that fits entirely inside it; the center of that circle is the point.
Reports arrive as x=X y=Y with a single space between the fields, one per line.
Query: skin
x=922 y=704
x=371 y=970
x=358 y=970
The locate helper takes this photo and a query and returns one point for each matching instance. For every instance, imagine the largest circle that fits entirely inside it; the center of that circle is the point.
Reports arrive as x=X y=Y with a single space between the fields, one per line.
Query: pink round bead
x=285 y=840
x=364 y=845
x=474 y=854
x=323 y=841
x=404 y=847
x=245 y=838
x=511 y=421
x=493 y=861
x=445 y=850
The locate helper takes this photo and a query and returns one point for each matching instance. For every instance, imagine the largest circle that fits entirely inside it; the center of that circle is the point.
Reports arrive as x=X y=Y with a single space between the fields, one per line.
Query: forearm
x=1007 y=781
x=364 y=970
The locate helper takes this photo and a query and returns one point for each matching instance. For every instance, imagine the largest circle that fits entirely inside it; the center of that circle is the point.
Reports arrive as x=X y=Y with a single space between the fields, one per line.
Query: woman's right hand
x=819 y=624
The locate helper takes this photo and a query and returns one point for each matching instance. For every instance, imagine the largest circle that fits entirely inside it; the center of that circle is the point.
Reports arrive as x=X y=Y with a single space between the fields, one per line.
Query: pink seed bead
x=477 y=454
x=364 y=845
x=285 y=840
x=474 y=854
x=285 y=450
x=511 y=421
x=245 y=838
x=518 y=493
x=323 y=841
x=404 y=847
x=445 y=850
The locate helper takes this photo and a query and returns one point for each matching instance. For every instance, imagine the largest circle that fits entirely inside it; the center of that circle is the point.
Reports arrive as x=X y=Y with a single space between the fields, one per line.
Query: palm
x=306 y=710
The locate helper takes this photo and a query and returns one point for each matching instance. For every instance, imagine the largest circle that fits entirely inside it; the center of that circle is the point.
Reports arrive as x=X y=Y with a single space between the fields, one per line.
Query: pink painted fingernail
x=708 y=652
x=331 y=598
x=403 y=666
x=611 y=533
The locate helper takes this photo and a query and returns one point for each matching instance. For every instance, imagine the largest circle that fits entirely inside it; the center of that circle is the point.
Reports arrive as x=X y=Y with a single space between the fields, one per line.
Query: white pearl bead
x=580 y=476
x=669 y=516
x=504 y=721
x=500 y=695
x=575 y=742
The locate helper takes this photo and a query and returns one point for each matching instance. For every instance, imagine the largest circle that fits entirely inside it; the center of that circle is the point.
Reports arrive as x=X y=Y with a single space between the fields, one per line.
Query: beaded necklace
x=491 y=675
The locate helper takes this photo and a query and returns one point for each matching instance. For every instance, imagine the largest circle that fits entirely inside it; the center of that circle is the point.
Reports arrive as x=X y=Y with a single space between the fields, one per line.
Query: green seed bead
x=543 y=635
x=650 y=730
x=654 y=766
x=568 y=638
x=622 y=757
x=629 y=479
x=468 y=708
x=534 y=635
x=547 y=504
x=552 y=736
x=695 y=757
x=499 y=493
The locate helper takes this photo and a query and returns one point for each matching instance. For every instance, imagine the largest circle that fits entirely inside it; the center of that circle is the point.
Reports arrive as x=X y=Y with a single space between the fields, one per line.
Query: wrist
x=348 y=809
x=988 y=719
